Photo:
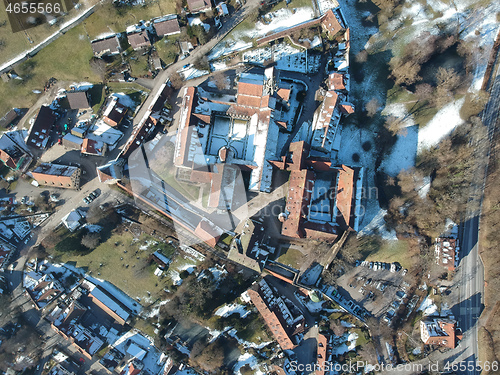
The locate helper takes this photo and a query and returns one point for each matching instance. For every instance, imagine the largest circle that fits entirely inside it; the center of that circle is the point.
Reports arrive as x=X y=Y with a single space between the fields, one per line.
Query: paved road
x=197 y=53
x=471 y=273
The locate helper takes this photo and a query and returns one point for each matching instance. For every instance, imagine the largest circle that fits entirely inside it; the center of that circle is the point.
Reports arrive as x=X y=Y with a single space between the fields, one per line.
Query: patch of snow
x=403 y=153
x=378 y=226
x=247 y=359
x=247 y=344
x=125 y=100
x=314 y=307
x=427 y=307
x=426 y=186
x=442 y=124
x=280 y=20
x=197 y=21
x=353 y=336
x=346 y=324
x=233 y=308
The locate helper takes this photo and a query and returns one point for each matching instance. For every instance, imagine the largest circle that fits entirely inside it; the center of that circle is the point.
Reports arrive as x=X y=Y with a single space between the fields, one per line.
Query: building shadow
x=467 y=312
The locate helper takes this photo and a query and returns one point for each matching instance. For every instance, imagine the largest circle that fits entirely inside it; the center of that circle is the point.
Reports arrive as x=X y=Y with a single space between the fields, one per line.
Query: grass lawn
x=111 y=19
x=66 y=59
x=139 y=65
x=16 y=43
x=131 y=89
x=132 y=274
x=291 y=257
x=392 y=251
x=167 y=49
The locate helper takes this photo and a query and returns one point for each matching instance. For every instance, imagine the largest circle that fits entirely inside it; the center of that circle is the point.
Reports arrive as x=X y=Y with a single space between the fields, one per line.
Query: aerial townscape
x=268 y=187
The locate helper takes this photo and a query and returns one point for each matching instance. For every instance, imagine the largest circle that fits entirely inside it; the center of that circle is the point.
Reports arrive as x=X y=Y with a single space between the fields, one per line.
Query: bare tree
x=98 y=66
x=219 y=78
x=423 y=92
x=393 y=124
x=406 y=73
x=361 y=56
x=337 y=327
x=372 y=107
x=91 y=240
x=176 y=80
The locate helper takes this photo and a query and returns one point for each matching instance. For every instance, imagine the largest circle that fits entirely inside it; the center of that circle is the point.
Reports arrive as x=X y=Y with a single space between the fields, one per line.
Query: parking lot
x=377 y=289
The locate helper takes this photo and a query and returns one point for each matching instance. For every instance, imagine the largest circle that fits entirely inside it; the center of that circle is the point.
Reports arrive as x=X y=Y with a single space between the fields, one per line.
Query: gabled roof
x=272 y=321
x=250 y=88
x=40 y=131
x=109 y=45
x=208 y=232
x=77 y=99
x=8 y=119
x=167 y=26
x=139 y=39
x=331 y=23
x=344 y=196
x=199 y=5
x=336 y=81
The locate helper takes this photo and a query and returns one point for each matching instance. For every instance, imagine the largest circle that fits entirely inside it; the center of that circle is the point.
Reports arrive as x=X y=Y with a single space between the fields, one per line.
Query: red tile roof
x=245 y=88
x=336 y=81
x=272 y=321
x=185 y=130
x=208 y=233
x=199 y=5
x=284 y=94
x=344 y=196
x=331 y=23
x=321 y=347
x=299 y=196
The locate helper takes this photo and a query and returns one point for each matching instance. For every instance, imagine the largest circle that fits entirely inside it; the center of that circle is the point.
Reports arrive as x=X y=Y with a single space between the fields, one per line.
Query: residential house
x=9 y=118
x=93 y=147
x=139 y=39
x=13 y=152
x=196 y=6
x=438 y=331
x=78 y=99
x=109 y=45
x=39 y=132
x=447 y=252
x=73 y=220
x=167 y=25
x=57 y=175
x=222 y=9
x=114 y=112
x=277 y=315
